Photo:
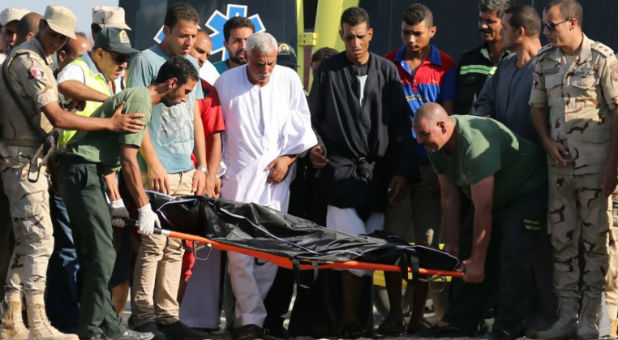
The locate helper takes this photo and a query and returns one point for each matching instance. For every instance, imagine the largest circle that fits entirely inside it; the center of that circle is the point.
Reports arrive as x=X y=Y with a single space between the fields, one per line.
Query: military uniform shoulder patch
x=602 y=48
x=36 y=73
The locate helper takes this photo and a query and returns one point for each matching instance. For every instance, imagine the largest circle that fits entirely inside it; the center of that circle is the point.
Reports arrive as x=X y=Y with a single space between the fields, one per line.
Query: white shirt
x=262 y=123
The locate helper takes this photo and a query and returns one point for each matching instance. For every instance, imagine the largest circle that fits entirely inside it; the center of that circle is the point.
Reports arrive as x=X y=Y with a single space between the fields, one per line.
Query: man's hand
x=129 y=123
x=217 y=187
x=157 y=178
x=147 y=220
x=279 y=168
x=119 y=212
x=210 y=187
x=317 y=158
x=474 y=270
x=608 y=178
x=558 y=154
x=397 y=189
x=198 y=185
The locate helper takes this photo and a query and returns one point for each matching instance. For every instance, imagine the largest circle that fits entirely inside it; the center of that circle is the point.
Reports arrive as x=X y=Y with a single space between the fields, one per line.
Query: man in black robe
x=365 y=154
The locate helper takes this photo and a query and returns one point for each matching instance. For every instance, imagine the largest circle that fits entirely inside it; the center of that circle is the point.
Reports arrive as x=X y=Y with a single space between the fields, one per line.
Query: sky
x=81 y=8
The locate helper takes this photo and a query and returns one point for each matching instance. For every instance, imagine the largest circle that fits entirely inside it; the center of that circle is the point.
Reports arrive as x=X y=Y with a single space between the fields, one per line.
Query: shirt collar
x=93 y=67
x=434 y=55
x=38 y=48
x=585 y=52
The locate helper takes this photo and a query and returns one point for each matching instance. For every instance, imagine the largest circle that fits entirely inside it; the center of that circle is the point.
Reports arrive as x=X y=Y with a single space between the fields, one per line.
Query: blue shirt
x=221 y=66
x=171 y=128
x=432 y=82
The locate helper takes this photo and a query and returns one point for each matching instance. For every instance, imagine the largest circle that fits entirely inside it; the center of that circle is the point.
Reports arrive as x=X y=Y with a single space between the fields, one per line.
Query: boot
x=587 y=327
x=12 y=323
x=612 y=330
x=40 y=328
x=566 y=325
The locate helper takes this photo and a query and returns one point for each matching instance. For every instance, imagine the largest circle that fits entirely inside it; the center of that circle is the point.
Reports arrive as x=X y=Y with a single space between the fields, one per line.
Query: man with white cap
x=8 y=28
x=31 y=110
x=107 y=16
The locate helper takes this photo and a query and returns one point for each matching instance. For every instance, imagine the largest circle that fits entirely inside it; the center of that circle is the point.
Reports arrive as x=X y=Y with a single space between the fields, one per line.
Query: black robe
x=365 y=146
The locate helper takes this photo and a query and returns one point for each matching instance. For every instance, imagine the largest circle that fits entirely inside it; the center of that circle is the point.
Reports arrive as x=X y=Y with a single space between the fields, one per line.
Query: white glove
x=146 y=220
x=119 y=213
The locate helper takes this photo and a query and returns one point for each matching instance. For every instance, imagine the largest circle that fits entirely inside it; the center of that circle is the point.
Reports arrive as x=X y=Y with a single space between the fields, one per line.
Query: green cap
x=115 y=40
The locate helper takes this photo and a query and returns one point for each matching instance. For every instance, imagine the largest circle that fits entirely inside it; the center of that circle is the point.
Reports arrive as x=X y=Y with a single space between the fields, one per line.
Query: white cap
x=12 y=14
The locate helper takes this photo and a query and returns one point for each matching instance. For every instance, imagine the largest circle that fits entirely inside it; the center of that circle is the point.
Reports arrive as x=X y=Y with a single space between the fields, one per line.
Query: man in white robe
x=268 y=124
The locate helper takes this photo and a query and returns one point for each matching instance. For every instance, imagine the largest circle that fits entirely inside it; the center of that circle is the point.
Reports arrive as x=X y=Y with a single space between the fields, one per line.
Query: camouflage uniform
x=33 y=81
x=580 y=97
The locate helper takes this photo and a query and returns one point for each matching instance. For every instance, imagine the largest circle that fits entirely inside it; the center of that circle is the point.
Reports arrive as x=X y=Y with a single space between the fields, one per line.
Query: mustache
x=487 y=30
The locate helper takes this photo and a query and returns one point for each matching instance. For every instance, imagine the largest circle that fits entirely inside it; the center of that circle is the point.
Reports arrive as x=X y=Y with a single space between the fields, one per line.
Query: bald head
x=202 y=47
x=433 y=126
x=432 y=112
x=73 y=49
x=27 y=27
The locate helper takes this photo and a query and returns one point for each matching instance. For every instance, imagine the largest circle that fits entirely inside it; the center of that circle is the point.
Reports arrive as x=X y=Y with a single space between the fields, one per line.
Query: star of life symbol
x=215 y=23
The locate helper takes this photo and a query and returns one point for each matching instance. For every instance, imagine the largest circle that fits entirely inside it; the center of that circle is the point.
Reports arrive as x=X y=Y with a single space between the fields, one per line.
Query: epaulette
x=602 y=48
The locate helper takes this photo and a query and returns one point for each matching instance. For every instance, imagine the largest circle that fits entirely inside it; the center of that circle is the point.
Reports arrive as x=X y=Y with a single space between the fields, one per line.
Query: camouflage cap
x=108 y=16
x=12 y=14
x=61 y=20
x=114 y=40
x=286 y=56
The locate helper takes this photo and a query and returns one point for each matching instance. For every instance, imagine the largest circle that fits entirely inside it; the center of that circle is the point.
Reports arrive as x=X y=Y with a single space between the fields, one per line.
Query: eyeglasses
x=118 y=57
x=552 y=26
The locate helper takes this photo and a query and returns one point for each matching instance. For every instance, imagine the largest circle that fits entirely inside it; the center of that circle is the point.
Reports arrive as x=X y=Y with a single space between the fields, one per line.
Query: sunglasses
x=119 y=58
x=552 y=26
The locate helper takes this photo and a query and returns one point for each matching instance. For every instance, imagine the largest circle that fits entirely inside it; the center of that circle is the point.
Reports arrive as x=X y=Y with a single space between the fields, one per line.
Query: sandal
x=389 y=328
x=248 y=332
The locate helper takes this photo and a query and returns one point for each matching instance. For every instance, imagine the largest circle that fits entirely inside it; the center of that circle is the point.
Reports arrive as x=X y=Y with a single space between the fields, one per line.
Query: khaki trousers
x=158 y=266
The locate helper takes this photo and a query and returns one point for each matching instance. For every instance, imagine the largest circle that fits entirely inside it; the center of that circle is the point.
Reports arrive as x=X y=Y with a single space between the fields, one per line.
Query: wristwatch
x=203 y=169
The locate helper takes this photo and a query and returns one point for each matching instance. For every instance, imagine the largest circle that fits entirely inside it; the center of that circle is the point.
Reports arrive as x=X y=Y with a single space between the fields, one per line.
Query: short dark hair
x=525 y=16
x=95 y=29
x=323 y=54
x=67 y=47
x=180 y=11
x=416 y=13
x=179 y=68
x=236 y=22
x=568 y=8
x=499 y=6
x=29 y=23
x=354 y=16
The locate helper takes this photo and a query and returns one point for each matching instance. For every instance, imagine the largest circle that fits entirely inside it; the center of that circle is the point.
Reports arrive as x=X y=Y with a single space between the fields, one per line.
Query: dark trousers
x=62 y=298
x=277 y=302
x=81 y=185
x=509 y=278
x=7 y=241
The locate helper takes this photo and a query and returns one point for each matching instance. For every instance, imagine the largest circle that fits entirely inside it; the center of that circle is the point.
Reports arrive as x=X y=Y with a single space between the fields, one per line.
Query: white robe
x=262 y=123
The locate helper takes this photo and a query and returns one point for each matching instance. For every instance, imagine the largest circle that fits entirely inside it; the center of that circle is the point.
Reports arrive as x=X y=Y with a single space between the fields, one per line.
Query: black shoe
x=180 y=331
x=448 y=331
x=275 y=331
x=151 y=327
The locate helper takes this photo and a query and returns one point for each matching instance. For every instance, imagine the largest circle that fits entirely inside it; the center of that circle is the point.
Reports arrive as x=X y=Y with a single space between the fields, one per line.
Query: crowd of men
x=509 y=157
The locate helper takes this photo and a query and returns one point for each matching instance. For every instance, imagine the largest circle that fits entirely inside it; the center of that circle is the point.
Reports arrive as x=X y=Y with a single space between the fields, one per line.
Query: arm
x=556 y=151
x=482 y=198
x=448 y=90
x=609 y=84
x=157 y=175
x=117 y=209
x=451 y=213
x=214 y=148
x=119 y=122
x=112 y=187
x=199 y=150
x=280 y=168
x=79 y=91
x=132 y=174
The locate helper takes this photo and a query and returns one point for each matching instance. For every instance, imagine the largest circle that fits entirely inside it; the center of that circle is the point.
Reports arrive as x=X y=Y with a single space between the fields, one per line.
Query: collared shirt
x=581 y=95
x=221 y=66
x=32 y=78
x=432 y=82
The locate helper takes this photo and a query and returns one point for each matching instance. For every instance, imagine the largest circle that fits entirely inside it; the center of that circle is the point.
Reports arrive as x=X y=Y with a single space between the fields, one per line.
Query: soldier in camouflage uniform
x=28 y=72
x=573 y=104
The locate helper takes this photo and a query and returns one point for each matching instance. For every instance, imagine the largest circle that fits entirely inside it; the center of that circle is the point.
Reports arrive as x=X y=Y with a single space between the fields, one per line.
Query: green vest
x=94 y=81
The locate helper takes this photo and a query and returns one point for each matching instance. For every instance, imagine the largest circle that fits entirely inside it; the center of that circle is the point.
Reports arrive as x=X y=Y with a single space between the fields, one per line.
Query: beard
x=237 y=59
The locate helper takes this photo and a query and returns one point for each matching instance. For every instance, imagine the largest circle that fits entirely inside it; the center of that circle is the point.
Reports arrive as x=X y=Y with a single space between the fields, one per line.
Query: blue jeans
x=62 y=298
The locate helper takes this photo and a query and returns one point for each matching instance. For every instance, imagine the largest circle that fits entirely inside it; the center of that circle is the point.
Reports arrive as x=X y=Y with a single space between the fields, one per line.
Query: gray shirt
x=505 y=97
